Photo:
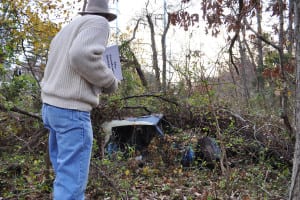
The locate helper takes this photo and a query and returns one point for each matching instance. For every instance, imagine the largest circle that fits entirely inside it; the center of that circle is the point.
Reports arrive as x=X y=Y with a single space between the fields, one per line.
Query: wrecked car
x=138 y=132
x=134 y=132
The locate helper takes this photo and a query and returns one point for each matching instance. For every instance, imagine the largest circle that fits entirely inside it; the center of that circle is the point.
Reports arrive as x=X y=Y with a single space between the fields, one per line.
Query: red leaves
x=276 y=73
x=184 y=19
x=276 y=8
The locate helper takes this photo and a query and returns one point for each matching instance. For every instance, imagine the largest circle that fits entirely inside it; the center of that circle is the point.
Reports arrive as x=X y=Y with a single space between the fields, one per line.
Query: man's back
x=75 y=69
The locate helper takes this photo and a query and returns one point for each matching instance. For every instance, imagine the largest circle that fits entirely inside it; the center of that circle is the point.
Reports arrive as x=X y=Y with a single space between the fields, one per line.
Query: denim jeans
x=70 y=146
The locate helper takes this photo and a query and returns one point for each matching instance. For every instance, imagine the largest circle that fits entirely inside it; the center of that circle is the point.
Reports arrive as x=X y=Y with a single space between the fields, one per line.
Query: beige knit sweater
x=75 y=73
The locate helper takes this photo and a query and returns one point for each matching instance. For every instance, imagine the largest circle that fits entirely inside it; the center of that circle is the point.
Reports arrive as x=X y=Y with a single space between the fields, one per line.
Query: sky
x=178 y=38
x=129 y=10
x=178 y=41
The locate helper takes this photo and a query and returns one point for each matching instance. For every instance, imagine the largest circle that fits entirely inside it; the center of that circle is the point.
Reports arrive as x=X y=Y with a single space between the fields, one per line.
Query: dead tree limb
x=134 y=31
x=151 y=95
x=237 y=32
x=138 y=107
x=164 y=55
x=125 y=46
x=20 y=111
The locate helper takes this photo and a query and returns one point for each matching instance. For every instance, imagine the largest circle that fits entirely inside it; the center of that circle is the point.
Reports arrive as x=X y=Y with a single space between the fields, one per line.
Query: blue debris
x=112 y=148
x=216 y=148
x=188 y=157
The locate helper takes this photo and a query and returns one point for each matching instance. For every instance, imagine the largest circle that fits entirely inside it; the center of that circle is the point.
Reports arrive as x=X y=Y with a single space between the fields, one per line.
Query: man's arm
x=86 y=53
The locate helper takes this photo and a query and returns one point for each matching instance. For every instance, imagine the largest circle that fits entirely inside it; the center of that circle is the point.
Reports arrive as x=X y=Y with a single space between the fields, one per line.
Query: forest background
x=246 y=97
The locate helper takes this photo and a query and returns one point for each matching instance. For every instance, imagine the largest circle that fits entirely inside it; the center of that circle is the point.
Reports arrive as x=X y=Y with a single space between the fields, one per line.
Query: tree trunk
x=260 y=79
x=139 y=71
x=290 y=27
x=84 y=5
x=284 y=93
x=233 y=80
x=295 y=182
x=125 y=49
x=133 y=61
x=243 y=71
x=154 y=53
x=164 y=56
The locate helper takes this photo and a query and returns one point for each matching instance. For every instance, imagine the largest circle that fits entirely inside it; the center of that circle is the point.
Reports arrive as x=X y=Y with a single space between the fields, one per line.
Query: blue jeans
x=70 y=146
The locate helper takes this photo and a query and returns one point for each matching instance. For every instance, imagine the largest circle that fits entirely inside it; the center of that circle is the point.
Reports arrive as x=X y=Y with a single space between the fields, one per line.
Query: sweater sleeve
x=86 y=53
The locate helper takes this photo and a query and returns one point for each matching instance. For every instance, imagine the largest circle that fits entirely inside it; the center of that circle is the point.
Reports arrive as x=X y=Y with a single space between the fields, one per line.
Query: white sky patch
x=129 y=11
x=178 y=41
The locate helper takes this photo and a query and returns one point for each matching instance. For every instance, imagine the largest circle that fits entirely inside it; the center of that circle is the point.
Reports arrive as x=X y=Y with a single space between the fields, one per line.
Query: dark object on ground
x=207 y=152
x=14 y=170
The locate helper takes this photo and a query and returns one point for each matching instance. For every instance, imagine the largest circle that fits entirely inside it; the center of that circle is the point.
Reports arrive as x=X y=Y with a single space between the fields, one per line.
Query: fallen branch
x=18 y=110
x=138 y=107
x=151 y=95
x=34 y=141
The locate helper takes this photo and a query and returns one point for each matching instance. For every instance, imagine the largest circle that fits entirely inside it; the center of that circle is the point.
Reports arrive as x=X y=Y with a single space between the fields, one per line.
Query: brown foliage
x=184 y=19
x=275 y=73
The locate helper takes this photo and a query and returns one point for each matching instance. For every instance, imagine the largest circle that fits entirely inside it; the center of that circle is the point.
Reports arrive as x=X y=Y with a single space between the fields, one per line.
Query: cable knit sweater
x=75 y=73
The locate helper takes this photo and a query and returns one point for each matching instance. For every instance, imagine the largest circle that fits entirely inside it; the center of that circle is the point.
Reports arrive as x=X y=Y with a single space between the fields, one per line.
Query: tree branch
x=139 y=107
x=18 y=110
x=262 y=37
x=238 y=25
x=151 y=95
x=134 y=31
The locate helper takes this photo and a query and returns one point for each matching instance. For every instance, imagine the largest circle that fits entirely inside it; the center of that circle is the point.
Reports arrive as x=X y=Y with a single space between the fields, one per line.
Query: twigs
x=261 y=136
x=138 y=107
x=110 y=182
x=151 y=95
x=233 y=114
x=34 y=140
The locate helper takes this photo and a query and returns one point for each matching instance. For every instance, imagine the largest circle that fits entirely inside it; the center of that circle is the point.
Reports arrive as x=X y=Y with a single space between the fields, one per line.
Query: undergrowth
x=158 y=176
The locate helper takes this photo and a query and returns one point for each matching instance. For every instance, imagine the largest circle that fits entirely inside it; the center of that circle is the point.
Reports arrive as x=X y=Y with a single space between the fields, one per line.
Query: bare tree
x=290 y=27
x=154 y=49
x=284 y=94
x=243 y=55
x=295 y=181
x=164 y=55
x=130 y=59
x=280 y=49
x=260 y=80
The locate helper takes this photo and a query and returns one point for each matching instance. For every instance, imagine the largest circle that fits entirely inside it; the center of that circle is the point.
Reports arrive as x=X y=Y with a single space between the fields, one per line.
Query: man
x=74 y=76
